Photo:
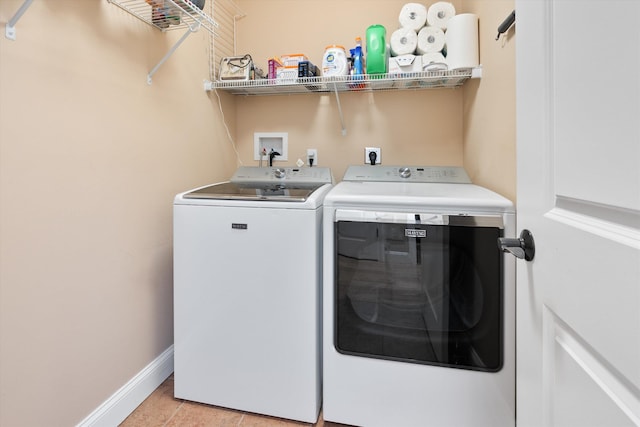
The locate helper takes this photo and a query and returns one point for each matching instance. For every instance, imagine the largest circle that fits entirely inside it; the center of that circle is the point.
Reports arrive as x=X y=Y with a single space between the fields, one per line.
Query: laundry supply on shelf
x=273 y=65
x=403 y=41
x=405 y=64
x=334 y=61
x=199 y=3
x=434 y=61
x=439 y=14
x=462 y=42
x=413 y=15
x=287 y=74
x=237 y=68
x=430 y=39
x=307 y=69
x=420 y=44
x=165 y=13
x=292 y=60
x=358 y=58
x=289 y=71
x=444 y=41
x=377 y=52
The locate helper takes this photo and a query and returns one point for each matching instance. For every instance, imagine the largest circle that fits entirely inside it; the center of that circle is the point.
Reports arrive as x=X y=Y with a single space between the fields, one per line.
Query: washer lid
x=255 y=191
x=415 y=196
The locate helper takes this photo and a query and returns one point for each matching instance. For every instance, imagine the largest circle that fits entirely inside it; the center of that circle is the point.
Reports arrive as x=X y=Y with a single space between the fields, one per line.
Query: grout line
x=174 y=414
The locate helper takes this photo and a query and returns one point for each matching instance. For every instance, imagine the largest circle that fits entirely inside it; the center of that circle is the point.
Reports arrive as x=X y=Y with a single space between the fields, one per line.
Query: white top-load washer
x=419 y=301
x=247 y=291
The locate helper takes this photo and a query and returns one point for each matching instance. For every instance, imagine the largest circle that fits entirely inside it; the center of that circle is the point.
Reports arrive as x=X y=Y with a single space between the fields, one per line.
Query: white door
x=578 y=121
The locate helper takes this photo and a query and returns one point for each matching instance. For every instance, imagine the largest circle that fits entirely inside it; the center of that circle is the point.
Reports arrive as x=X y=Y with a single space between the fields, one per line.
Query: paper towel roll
x=462 y=41
x=430 y=39
x=413 y=15
x=434 y=61
x=403 y=41
x=440 y=13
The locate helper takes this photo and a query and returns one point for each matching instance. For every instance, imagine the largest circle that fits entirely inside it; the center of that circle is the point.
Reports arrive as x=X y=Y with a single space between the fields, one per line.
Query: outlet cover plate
x=279 y=141
x=378 y=151
x=312 y=152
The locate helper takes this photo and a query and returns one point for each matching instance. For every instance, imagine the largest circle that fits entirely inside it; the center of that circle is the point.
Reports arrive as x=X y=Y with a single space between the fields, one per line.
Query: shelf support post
x=10 y=29
x=344 y=128
x=173 y=49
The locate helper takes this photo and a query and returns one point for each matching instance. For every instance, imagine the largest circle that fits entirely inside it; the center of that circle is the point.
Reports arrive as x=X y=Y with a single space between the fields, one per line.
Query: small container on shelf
x=292 y=60
x=273 y=65
x=334 y=61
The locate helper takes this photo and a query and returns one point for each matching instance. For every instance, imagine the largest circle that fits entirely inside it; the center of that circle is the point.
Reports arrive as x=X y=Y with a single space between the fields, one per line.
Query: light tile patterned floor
x=161 y=409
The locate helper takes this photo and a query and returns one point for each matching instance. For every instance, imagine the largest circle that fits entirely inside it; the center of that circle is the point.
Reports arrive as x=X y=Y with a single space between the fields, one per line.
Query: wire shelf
x=378 y=82
x=168 y=15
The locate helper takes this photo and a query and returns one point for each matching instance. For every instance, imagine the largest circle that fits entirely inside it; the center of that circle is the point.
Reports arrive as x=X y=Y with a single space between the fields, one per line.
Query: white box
x=286 y=75
x=292 y=60
x=405 y=64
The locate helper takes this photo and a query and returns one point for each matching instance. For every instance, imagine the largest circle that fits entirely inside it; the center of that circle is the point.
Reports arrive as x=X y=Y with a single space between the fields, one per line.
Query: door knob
x=523 y=247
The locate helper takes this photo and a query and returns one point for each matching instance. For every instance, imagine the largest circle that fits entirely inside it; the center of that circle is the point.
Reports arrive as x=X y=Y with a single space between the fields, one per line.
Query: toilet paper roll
x=462 y=41
x=434 y=61
x=439 y=14
x=430 y=39
x=413 y=15
x=403 y=41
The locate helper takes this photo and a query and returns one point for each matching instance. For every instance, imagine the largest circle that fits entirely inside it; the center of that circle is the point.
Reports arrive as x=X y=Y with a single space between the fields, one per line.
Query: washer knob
x=404 y=172
x=280 y=173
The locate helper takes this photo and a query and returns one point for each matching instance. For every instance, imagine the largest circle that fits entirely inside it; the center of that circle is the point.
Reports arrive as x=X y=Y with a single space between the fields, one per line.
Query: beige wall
x=411 y=127
x=90 y=159
x=489 y=119
x=473 y=127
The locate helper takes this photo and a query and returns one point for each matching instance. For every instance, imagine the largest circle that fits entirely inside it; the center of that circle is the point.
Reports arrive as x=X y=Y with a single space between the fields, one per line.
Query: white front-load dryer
x=247 y=292
x=418 y=300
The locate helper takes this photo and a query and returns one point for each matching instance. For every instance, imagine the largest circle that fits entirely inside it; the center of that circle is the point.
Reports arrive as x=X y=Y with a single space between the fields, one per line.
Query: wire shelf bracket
x=169 y=53
x=166 y=15
x=343 y=126
x=10 y=29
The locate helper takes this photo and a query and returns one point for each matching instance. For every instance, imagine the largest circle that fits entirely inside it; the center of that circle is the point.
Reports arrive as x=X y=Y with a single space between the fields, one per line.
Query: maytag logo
x=412 y=232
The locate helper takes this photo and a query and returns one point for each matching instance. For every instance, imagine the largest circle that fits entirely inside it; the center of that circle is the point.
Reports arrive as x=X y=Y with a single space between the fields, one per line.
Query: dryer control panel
x=425 y=174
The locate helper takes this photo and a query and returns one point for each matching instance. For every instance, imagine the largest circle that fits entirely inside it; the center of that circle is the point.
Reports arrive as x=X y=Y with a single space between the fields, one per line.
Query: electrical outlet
x=367 y=159
x=312 y=153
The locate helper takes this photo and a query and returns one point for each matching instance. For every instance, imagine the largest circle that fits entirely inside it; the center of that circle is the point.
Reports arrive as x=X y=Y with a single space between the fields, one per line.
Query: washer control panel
x=289 y=175
x=380 y=173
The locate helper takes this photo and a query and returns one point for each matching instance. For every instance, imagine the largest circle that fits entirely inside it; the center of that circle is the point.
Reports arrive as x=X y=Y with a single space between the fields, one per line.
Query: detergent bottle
x=377 y=52
x=358 y=58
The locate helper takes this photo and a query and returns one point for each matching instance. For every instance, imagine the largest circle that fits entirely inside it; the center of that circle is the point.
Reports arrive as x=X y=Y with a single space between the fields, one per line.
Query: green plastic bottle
x=377 y=52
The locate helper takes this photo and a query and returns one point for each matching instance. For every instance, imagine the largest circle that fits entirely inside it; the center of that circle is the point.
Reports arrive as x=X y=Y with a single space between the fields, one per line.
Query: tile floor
x=161 y=409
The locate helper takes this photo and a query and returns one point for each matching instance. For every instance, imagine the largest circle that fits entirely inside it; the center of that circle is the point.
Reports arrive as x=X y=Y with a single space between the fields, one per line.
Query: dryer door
x=420 y=288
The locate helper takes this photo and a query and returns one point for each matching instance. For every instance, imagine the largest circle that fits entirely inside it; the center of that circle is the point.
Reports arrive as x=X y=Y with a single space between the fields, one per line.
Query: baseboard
x=122 y=403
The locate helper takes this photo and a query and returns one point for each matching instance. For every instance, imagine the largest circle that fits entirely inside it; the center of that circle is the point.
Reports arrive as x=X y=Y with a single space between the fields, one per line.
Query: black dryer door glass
x=428 y=294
